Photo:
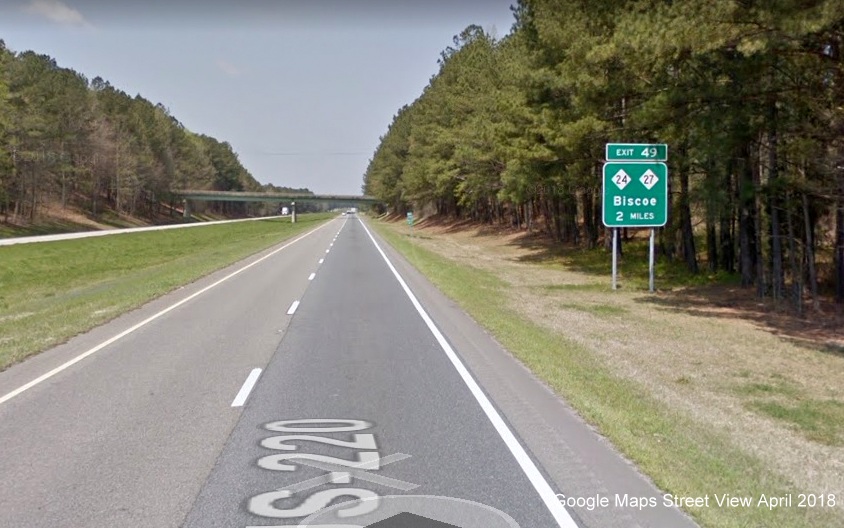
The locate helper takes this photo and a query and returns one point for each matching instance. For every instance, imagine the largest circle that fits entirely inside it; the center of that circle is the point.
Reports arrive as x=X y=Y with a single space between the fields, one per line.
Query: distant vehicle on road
x=285 y=211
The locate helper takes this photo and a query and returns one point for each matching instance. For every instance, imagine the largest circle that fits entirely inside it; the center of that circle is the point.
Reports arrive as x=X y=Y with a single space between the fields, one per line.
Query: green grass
x=820 y=421
x=592 y=286
x=601 y=310
x=52 y=291
x=681 y=456
x=777 y=388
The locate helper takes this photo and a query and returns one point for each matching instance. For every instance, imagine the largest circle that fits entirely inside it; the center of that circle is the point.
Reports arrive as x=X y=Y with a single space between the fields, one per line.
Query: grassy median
x=682 y=454
x=52 y=291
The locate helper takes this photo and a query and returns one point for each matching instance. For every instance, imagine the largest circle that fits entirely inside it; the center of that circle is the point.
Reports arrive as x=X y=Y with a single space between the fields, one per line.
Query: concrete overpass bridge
x=341 y=200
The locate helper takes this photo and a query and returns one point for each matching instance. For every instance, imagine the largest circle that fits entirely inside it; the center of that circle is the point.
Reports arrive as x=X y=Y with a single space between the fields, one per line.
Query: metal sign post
x=651 y=261
x=614 y=257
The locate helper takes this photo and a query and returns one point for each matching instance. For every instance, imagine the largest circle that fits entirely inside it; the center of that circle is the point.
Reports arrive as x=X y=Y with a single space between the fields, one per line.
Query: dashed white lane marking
x=146 y=321
x=244 y=391
x=321 y=260
x=292 y=309
x=311 y=276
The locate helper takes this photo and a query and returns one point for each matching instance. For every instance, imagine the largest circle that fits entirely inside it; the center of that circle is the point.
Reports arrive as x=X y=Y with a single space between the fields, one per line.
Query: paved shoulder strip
x=560 y=514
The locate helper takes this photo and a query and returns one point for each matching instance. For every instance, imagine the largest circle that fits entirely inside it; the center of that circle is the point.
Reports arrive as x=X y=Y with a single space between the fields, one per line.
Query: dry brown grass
x=712 y=363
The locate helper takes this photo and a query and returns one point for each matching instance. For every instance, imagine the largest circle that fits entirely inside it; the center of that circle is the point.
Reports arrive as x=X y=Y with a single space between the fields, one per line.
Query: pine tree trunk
x=796 y=271
x=529 y=214
x=747 y=223
x=839 y=240
x=589 y=227
x=726 y=228
x=809 y=252
x=64 y=179
x=668 y=234
x=686 y=230
x=556 y=208
x=34 y=202
x=761 y=285
x=777 y=272
x=711 y=244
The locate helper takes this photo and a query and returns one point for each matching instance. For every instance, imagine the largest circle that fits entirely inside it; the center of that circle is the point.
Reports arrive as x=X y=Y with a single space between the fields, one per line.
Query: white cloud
x=228 y=68
x=56 y=11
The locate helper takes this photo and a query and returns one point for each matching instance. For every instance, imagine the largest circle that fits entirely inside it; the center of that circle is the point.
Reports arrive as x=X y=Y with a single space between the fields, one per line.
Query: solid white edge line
x=558 y=511
x=311 y=276
x=292 y=309
x=244 y=391
x=145 y=322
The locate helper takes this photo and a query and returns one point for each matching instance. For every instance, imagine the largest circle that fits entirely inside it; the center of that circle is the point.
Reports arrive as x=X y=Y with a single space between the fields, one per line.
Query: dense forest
x=87 y=144
x=749 y=96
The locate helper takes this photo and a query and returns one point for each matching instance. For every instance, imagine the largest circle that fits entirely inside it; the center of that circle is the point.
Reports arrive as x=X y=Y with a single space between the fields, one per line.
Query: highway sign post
x=635 y=193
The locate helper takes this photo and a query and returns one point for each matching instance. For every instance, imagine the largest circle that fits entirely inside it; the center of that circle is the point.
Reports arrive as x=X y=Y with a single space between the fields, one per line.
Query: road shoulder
x=575 y=458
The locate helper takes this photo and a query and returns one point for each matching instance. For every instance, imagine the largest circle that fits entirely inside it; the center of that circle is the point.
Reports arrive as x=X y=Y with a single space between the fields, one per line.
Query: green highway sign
x=635 y=194
x=637 y=152
x=409 y=218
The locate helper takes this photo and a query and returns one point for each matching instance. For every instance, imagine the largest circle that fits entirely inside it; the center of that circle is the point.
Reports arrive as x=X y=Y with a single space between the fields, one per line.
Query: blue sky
x=301 y=89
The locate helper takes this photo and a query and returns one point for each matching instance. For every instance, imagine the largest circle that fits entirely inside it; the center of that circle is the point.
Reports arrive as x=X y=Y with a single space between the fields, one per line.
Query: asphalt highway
x=320 y=383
